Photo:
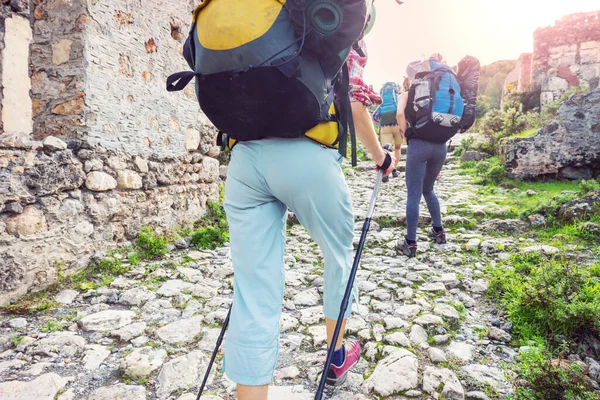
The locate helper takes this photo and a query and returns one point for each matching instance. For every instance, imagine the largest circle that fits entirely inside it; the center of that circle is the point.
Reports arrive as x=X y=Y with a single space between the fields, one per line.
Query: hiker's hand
x=382 y=161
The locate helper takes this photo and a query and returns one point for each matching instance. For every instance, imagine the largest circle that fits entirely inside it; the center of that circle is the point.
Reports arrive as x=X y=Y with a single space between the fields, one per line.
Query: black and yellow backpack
x=274 y=68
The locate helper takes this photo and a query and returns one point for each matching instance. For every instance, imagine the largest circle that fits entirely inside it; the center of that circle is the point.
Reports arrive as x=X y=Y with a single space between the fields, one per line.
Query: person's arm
x=400 y=116
x=365 y=132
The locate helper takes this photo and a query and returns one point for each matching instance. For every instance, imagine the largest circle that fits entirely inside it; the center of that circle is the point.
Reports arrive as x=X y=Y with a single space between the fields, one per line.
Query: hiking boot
x=395 y=173
x=438 y=237
x=409 y=250
x=385 y=179
x=336 y=375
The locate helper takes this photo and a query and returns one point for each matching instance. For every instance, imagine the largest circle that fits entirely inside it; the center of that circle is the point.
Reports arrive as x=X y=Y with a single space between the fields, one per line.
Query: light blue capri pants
x=264 y=178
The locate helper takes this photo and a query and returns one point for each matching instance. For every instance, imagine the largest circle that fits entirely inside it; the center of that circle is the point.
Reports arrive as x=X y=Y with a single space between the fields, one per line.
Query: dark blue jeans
x=424 y=161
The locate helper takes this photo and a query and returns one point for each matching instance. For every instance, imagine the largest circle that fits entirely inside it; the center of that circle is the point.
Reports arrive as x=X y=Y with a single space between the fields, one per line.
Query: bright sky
x=490 y=30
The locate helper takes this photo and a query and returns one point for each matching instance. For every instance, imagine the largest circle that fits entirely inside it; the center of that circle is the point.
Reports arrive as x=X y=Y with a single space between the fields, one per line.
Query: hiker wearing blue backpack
x=389 y=130
x=430 y=113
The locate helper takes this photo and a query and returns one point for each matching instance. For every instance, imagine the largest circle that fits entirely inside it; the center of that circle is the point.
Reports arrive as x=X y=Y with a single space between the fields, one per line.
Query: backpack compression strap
x=346 y=120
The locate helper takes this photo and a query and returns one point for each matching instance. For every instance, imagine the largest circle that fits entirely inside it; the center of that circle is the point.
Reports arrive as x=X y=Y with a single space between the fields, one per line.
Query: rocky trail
x=426 y=326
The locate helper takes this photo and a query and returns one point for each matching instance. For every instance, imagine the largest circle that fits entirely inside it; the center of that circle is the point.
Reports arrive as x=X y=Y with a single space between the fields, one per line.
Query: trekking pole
x=214 y=354
x=344 y=305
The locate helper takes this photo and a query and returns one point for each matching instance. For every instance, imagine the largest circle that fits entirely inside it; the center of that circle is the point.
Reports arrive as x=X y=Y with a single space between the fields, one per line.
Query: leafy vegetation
x=213 y=230
x=150 y=245
x=542 y=377
x=546 y=298
x=486 y=172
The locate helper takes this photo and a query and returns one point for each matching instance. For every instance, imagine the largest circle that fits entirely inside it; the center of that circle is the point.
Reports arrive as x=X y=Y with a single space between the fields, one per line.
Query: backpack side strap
x=178 y=81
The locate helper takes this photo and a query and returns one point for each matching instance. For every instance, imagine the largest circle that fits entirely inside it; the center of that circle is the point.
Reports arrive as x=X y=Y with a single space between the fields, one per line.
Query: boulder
x=567 y=148
x=579 y=208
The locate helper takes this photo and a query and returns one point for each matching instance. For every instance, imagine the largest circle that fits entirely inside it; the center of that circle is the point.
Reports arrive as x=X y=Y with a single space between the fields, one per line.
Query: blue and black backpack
x=389 y=107
x=435 y=106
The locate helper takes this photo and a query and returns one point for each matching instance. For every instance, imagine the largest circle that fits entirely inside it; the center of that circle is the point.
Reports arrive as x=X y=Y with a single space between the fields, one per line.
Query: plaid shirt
x=359 y=90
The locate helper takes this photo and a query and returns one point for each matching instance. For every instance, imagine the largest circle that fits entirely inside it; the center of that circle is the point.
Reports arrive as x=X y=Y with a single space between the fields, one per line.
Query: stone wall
x=568 y=148
x=520 y=77
x=101 y=149
x=567 y=54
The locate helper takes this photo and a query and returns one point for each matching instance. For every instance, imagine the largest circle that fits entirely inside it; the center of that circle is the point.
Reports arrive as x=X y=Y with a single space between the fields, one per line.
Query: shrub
x=545 y=298
x=150 y=244
x=541 y=377
x=213 y=228
x=209 y=238
x=486 y=172
x=465 y=144
x=588 y=186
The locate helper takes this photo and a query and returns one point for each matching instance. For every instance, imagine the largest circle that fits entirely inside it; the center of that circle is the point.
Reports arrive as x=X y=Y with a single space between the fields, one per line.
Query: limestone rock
x=66 y=296
x=473 y=244
x=106 y=321
x=473 y=156
x=483 y=374
x=397 y=338
x=504 y=225
x=307 y=298
x=418 y=334
x=578 y=208
x=46 y=387
x=446 y=311
x=128 y=179
x=436 y=355
x=433 y=378
x=543 y=249
x=433 y=287
x=32 y=221
x=396 y=373
x=181 y=373
x=130 y=331
x=429 y=320
x=119 y=392
x=66 y=344
x=94 y=356
x=142 y=362
x=136 y=296
x=61 y=51
x=17 y=323
x=192 y=139
x=498 y=334
x=181 y=331
x=52 y=143
x=100 y=181
x=460 y=350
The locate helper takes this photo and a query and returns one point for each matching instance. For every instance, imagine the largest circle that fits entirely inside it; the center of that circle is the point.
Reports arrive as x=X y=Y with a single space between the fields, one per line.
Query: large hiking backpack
x=270 y=68
x=435 y=106
x=468 y=77
x=389 y=107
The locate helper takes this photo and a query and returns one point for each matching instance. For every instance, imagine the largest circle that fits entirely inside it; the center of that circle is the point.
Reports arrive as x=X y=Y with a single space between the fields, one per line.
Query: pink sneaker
x=336 y=376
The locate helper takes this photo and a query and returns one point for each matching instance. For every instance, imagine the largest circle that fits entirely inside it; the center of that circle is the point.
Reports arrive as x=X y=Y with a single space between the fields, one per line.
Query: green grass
x=526 y=133
x=52 y=326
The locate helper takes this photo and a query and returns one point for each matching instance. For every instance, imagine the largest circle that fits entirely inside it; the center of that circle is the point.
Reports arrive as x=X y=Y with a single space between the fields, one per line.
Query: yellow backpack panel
x=228 y=24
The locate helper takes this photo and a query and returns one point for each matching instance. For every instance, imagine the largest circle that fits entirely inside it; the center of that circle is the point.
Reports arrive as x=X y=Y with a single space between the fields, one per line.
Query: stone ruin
x=92 y=147
x=564 y=55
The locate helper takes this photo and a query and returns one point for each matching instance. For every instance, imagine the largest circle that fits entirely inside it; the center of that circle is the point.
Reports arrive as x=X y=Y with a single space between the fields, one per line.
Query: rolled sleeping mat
x=333 y=25
x=325 y=16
